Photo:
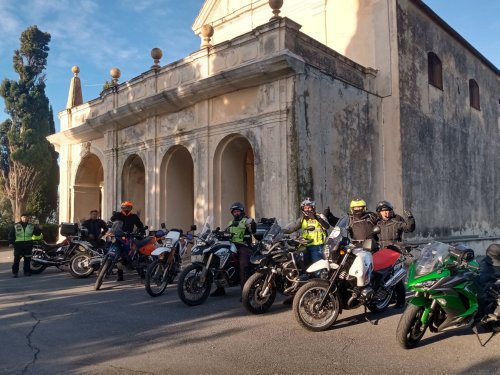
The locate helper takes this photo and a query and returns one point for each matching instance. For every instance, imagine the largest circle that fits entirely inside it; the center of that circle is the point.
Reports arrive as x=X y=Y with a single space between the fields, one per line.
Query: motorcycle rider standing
x=241 y=228
x=21 y=238
x=129 y=220
x=392 y=227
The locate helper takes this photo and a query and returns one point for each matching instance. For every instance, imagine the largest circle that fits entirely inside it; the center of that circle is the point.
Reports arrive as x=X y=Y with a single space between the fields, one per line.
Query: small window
x=435 y=70
x=474 y=94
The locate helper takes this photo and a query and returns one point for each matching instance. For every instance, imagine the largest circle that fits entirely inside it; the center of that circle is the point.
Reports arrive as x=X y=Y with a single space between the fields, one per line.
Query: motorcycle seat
x=384 y=258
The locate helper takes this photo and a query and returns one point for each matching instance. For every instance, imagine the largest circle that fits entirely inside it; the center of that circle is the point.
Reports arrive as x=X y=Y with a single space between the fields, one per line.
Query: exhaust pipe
x=95 y=261
x=396 y=278
x=48 y=262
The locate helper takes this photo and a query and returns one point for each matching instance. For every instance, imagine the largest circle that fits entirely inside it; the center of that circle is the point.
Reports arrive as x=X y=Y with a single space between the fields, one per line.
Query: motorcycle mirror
x=163 y=225
x=146 y=227
x=217 y=229
x=376 y=229
x=193 y=227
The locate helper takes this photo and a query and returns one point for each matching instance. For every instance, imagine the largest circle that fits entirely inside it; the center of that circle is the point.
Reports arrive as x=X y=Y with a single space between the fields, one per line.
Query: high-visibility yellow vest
x=317 y=236
x=24 y=234
x=238 y=232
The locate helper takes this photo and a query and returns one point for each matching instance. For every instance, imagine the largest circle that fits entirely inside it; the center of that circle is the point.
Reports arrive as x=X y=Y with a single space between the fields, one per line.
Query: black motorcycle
x=214 y=259
x=60 y=255
x=279 y=263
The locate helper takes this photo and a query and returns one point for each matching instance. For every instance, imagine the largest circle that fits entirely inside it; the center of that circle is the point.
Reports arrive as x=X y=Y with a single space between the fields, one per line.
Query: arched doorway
x=134 y=184
x=177 y=189
x=87 y=190
x=234 y=179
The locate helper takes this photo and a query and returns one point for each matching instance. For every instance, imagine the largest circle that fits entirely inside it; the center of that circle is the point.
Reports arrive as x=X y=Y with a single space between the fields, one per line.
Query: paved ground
x=55 y=324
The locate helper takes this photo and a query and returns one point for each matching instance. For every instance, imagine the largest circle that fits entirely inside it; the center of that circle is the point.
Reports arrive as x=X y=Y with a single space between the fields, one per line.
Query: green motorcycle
x=448 y=294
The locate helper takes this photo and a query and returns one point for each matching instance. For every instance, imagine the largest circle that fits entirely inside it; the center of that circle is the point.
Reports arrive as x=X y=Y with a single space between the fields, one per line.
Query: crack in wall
x=128 y=369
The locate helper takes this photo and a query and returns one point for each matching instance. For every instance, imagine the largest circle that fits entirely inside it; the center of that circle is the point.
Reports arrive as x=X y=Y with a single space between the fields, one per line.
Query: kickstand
x=474 y=329
x=372 y=322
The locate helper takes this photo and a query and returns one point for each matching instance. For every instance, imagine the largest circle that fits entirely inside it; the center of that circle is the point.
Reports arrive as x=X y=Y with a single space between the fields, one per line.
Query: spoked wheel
x=79 y=265
x=410 y=328
x=307 y=309
x=157 y=278
x=192 y=291
x=252 y=297
x=102 y=274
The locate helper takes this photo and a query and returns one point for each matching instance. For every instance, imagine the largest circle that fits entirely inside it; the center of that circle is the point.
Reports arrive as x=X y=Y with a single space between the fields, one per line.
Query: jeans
x=314 y=253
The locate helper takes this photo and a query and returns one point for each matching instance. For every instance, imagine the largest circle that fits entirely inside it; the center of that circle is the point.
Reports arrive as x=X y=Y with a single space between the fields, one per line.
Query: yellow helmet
x=357 y=204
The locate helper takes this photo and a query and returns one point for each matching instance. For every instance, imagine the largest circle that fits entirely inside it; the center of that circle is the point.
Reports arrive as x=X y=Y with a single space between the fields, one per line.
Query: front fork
x=421 y=300
x=204 y=270
x=267 y=283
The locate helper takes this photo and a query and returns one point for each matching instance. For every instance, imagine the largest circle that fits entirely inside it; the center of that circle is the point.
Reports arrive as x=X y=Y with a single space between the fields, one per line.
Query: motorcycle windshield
x=272 y=233
x=116 y=228
x=207 y=228
x=431 y=258
x=338 y=234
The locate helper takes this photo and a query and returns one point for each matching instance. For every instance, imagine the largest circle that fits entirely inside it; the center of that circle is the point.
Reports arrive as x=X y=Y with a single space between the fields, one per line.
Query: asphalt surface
x=54 y=324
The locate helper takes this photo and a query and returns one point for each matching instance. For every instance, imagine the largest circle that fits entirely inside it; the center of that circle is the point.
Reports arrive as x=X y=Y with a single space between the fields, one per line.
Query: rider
x=95 y=227
x=317 y=236
x=241 y=228
x=392 y=227
x=129 y=220
x=361 y=221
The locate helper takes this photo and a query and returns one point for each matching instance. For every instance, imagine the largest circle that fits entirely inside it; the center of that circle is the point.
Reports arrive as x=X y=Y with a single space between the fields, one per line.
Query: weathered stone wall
x=450 y=151
x=335 y=138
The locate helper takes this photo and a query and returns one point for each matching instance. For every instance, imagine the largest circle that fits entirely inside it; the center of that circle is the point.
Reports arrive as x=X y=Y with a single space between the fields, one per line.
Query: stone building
x=373 y=98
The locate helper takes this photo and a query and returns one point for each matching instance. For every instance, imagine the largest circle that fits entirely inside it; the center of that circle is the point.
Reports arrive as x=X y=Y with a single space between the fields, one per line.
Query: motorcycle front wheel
x=307 y=309
x=251 y=296
x=37 y=267
x=102 y=273
x=190 y=288
x=410 y=328
x=157 y=278
x=79 y=266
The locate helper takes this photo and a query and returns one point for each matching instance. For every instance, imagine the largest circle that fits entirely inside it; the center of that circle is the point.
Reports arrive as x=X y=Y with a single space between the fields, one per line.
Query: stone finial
x=207 y=31
x=276 y=6
x=75 y=96
x=156 y=54
x=115 y=74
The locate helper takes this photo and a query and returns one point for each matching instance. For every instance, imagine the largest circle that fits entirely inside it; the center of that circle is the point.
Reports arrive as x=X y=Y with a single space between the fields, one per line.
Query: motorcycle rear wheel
x=410 y=328
x=102 y=274
x=79 y=266
x=37 y=267
x=250 y=294
x=188 y=286
x=306 y=306
x=157 y=278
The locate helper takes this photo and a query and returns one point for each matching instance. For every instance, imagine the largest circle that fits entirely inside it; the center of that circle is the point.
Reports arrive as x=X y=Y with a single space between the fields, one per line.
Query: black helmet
x=237 y=206
x=493 y=251
x=384 y=205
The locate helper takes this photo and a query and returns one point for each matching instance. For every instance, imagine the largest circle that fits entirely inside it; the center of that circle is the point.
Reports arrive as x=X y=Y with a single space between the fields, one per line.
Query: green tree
x=25 y=154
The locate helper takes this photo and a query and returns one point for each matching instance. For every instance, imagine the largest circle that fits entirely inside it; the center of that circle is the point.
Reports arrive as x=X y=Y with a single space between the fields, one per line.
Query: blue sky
x=97 y=35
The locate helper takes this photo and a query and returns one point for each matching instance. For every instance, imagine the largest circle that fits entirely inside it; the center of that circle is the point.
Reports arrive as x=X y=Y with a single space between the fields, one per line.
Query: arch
x=134 y=184
x=435 y=70
x=234 y=177
x=474 y=94
x=88 y=187
x=177 y=188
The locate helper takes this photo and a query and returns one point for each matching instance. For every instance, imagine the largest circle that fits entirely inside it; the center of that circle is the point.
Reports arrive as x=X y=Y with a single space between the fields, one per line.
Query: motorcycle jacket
x=129 y=221
x=240 y=232
x=361 y=227
x=392 y=230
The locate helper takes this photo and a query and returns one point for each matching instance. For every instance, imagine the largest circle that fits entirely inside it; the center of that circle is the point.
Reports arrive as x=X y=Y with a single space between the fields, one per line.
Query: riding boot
x=120 y=275
x=218 y=292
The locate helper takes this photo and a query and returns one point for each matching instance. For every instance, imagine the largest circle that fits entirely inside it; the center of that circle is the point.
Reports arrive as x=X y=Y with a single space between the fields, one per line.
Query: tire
x=410 y=331
x=250 y=295
x=157 y=278
x=36 y=267
x=188 y=288
x=79 y=266
x=305 y=306
x=379 y=306
x=102 y=274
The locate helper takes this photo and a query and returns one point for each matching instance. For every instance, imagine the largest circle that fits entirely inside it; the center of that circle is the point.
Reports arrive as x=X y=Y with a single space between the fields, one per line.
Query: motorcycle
x=348 y=280
x=279 y=265
x=448 y=294
x=214 y=259
x=167 y=263
x=62 y=254
x=138 y=250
